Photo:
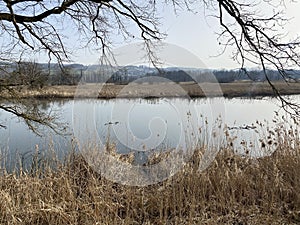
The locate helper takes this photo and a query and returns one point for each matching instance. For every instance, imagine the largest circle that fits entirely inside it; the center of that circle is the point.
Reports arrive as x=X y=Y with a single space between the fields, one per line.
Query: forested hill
x=52 y=74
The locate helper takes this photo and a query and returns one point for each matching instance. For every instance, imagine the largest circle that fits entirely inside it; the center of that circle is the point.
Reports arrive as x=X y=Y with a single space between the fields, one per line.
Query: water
x=142 y=125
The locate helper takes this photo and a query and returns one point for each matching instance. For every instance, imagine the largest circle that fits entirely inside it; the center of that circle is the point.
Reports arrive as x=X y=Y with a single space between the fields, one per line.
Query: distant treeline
x=226 y=76
x=193 y=75
x=38 y=75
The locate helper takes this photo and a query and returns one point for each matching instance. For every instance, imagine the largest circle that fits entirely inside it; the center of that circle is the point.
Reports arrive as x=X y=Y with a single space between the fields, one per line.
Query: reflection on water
x=140 y=124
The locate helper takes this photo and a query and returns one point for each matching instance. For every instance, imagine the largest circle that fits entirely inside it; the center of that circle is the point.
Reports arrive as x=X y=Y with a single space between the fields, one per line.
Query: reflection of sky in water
x=142 y=125
x=148 y=124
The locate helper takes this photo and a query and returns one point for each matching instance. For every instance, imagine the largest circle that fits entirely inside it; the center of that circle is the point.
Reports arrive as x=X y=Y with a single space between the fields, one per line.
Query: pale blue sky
x=196 y=33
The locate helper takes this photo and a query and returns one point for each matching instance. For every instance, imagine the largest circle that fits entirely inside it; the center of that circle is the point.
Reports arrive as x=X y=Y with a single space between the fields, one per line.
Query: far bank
x=149 y=90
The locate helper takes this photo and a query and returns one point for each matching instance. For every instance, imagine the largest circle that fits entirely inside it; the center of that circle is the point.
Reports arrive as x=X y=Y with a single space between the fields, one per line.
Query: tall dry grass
x=233 y=190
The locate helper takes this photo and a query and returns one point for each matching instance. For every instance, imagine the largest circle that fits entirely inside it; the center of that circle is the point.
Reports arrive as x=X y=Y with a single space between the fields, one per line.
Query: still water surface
x=143 y=124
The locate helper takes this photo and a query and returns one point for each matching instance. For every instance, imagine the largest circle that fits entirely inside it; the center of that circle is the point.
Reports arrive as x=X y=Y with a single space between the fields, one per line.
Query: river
x=143 y=124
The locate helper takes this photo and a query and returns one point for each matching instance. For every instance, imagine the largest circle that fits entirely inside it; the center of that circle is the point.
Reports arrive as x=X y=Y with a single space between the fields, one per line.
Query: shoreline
x=156 y=90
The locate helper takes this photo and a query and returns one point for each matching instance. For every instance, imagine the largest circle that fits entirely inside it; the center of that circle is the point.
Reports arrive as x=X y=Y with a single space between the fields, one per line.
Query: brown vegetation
x=233 y=190
x=235 y=89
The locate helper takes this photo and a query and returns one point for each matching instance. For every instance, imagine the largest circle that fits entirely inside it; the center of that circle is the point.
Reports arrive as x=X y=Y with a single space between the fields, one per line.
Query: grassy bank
x=233 y=190
x=236 y=89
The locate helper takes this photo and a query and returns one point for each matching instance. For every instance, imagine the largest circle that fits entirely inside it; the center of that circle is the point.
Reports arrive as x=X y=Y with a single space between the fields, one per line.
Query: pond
x=142 y=125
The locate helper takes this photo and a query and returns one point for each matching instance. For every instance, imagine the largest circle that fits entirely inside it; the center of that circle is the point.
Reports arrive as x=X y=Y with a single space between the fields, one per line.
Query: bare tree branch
x=258 y=42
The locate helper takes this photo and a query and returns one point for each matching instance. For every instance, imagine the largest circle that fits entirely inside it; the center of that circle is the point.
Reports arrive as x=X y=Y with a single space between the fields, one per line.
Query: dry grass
x=233 y=190
x=235 y=89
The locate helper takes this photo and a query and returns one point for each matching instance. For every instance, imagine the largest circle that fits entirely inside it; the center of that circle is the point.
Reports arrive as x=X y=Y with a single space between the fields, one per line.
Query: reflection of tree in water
x=60 y=102
x=44 y=105
x=36 y=114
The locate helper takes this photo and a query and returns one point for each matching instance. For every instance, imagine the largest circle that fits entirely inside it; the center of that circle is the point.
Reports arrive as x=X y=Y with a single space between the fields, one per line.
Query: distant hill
x=105 y=73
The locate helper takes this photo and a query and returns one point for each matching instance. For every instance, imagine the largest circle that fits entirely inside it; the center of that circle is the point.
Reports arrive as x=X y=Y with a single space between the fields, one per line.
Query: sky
x=196 y=33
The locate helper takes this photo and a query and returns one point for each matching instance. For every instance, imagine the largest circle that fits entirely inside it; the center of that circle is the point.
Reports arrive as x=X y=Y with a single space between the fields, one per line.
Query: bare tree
x=37 y=25
x=258 y=39
x=29 y=74
x=32 y=26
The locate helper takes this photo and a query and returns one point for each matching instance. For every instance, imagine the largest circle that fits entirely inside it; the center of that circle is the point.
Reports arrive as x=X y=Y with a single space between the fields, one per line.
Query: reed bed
x=234 y=189
x=146 y=90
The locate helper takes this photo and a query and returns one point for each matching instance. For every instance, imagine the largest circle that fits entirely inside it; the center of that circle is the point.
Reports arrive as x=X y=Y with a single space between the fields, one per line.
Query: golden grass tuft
x=233 y=190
